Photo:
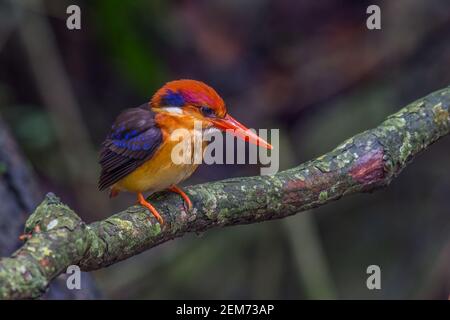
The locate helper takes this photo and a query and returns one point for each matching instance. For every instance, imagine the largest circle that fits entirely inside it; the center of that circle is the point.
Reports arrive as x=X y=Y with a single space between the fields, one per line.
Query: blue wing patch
x=133 y=139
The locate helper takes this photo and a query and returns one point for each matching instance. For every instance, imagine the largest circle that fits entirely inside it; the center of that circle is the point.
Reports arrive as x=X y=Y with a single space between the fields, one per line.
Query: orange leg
x=176 y=189
x=147 y=205
x=27 y=236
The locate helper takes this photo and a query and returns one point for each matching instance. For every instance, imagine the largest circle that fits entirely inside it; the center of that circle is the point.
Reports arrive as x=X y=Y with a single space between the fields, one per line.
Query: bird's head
x=188 y=101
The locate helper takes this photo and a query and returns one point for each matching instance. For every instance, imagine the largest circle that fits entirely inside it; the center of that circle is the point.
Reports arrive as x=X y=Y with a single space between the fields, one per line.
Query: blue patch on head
x=172 y=98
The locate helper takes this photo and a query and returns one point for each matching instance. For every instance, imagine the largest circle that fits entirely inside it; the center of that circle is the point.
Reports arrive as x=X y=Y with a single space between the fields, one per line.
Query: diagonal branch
x=363 y=163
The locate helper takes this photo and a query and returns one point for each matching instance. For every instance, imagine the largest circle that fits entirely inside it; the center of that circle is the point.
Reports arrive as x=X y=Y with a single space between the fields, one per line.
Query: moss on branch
x=363 y=163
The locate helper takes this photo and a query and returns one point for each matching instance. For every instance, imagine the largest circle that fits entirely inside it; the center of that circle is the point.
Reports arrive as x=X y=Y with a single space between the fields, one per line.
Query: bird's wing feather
x=133 y=139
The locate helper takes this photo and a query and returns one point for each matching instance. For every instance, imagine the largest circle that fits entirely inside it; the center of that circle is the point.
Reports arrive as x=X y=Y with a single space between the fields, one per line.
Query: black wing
x=133 y=139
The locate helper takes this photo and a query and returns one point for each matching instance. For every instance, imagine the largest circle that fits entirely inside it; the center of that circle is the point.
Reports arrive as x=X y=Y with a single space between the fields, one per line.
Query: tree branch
x=19 y=195
x=363 y=163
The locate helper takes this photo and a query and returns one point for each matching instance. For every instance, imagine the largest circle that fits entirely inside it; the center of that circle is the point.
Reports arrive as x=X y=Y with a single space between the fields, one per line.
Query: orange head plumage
x=193 y=100
x=189 y=94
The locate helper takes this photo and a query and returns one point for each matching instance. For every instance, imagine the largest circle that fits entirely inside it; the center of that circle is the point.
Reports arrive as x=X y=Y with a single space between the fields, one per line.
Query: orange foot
x=27 y=236
x=152 y=209
x=176 y=189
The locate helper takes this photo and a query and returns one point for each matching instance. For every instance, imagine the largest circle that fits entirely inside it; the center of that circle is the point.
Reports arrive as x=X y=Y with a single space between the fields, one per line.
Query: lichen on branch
x=363 y=163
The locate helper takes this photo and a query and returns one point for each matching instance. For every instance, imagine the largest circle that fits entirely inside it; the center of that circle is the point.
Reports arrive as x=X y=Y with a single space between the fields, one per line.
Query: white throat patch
x=173 y=110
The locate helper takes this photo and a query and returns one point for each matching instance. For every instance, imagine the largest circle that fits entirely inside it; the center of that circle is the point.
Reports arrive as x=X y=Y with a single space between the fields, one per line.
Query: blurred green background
x=310 y=68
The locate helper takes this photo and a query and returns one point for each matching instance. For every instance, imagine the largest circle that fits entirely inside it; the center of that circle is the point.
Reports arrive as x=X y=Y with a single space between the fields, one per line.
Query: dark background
x=309 y=68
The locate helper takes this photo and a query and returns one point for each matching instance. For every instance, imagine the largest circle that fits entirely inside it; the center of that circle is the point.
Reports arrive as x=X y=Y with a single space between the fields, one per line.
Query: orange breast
x=158 y=173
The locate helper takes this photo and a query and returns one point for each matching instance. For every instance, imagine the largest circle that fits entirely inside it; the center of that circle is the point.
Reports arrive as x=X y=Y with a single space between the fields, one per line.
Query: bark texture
x=363 y=163
x=19 y=195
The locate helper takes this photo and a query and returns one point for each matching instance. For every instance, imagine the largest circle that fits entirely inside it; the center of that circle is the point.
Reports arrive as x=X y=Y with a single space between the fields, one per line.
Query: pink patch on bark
x=291 y=190
x=295 y=185
x=369 y=168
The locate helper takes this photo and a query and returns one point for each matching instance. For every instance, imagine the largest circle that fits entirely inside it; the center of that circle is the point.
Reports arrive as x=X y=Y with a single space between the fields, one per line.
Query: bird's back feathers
x=133 y=139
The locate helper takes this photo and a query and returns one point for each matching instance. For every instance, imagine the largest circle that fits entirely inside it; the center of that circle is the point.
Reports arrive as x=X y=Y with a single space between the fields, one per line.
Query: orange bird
x=136 y=155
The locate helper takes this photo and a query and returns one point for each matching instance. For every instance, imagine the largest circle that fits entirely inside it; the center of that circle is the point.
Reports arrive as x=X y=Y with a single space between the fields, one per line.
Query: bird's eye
x=207 y=112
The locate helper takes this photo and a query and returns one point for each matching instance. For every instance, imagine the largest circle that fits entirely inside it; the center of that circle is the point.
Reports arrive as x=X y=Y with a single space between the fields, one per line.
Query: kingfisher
x=136 y=155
